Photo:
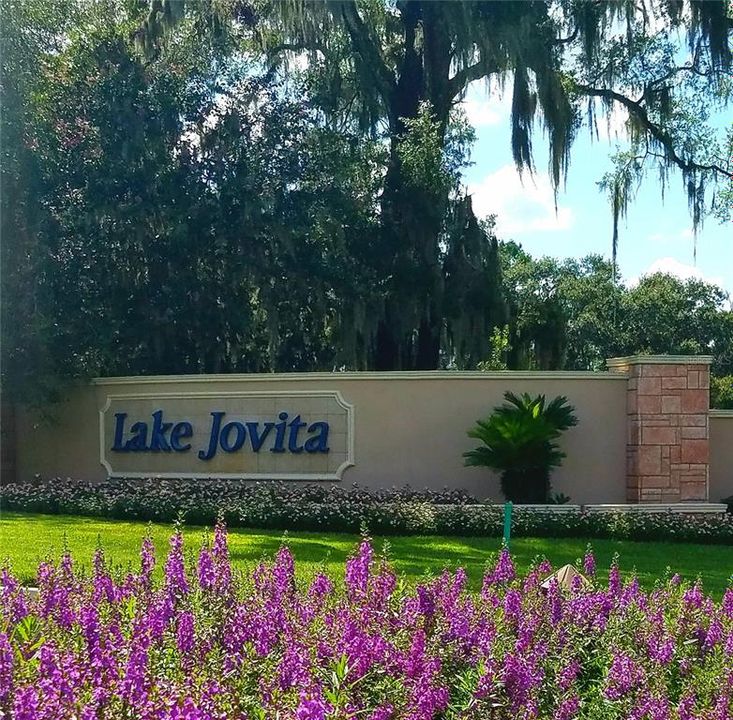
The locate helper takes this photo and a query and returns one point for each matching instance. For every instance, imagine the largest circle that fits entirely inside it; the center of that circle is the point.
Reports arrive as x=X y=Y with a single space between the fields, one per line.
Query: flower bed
x=208 y=644
x=291 y=506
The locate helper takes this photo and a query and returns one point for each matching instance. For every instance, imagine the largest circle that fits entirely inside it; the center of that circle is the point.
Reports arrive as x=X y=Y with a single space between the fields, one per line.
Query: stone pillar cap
x=660 y=360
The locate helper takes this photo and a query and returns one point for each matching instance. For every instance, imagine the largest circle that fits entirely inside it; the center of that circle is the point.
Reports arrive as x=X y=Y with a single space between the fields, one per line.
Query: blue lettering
x=230 y=437
x=280 y=434
x=119 y=431
x=295 y=425
x=224 y=441
x=213 y=438
x=181 y=431
x=139 y=440
x=255 y=438
x=317 y=443
x=158 y=440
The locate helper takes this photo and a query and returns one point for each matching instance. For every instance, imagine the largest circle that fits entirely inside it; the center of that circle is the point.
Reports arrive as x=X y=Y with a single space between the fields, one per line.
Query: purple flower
x=693 y=597
x=727 y=604
x=185 y=633
x=25 y=704
x=283 y=572
x=513 y=605
x=294 y=669
x=623 y=675
x=175 y=572
x=133 y=688
x=311 y=705
x=320 y=587
x=383 y=650
x=686 y=708
x=662 y=650
x=568 y=708
x=426 y=601
x=358 y=568
x=567 y=675
x=504 y=570
x=381 y=713
x=522 y=677
x=589 y=563
x=6 y=668
x=205 y=570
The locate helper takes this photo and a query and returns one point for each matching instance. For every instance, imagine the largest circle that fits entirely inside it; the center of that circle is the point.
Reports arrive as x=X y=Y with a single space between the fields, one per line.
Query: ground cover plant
x=28 y=539
x=335 y=508
x=205 y=642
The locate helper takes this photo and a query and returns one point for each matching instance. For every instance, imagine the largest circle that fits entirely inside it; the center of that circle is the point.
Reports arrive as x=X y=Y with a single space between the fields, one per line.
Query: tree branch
x=570 y=38
x=661 y=136
x=295 y=47
x=366 y=49
x=468 y=74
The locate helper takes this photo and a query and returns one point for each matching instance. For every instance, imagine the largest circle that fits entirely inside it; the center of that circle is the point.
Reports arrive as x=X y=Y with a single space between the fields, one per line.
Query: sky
x=656 y=235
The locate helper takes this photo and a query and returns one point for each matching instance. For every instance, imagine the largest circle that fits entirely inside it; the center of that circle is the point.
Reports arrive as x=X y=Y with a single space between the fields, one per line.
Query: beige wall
x=721 y=454
x=409 y=428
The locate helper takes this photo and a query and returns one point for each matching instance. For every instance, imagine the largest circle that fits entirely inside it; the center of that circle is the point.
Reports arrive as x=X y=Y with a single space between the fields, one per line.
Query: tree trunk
x=410 y=331
x=526 y=486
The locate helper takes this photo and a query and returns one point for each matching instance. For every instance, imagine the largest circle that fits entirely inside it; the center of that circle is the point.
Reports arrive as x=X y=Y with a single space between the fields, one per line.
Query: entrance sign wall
x=383 y=430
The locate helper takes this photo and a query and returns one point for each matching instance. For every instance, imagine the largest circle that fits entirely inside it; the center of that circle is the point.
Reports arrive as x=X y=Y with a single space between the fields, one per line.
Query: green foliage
x=396 y=70
x=420 y=151
x=721 y=392
x=156 y=208
x=723 y=202
x=519 y=441
x=281 y=506
x=574 y=314
x=499 y=349
x=182 y=193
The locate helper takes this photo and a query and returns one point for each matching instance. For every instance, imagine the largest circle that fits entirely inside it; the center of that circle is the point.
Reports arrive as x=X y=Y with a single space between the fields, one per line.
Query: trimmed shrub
x=519 y=441
x=290 y=506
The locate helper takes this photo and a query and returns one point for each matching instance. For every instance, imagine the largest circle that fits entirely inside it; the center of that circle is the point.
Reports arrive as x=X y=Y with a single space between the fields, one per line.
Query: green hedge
x=292 y=506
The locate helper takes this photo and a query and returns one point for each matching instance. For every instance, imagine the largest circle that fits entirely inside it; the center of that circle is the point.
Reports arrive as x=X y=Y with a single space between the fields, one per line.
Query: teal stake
x=507 y=522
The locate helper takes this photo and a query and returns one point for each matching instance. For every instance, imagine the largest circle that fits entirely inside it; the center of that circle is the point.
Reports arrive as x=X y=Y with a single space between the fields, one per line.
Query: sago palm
x=519 y=441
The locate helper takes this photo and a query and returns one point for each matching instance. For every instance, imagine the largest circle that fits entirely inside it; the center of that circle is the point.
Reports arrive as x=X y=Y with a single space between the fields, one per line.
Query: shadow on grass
x=27 y=538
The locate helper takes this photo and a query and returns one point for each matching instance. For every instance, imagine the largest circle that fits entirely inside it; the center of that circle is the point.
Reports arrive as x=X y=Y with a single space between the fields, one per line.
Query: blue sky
x=657 y=234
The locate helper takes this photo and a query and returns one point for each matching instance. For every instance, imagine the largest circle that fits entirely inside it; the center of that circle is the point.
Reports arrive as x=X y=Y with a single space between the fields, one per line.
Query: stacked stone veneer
x=668 y=427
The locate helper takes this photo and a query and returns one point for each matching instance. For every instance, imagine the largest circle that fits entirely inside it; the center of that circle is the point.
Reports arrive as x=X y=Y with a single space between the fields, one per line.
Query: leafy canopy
x=520 y=434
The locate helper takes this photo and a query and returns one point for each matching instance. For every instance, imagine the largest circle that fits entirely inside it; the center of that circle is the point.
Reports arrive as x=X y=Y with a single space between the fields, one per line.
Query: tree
x=574 y=314
x=664 y=314
x=389 y=64
x=537 y=318
x=174 y=201
x=723 y=204
x=170 y=215
x=30 y=32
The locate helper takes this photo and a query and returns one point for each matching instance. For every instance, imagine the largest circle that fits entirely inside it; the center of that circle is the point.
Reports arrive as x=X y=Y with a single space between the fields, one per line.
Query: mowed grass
x=27 y=539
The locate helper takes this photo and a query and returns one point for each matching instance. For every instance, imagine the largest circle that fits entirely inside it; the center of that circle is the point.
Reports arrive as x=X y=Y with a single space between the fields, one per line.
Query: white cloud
x=672 y=266
x=487 y=103
x=521 y=205
x=481 y=113
x=665 y=237
x=612 y=127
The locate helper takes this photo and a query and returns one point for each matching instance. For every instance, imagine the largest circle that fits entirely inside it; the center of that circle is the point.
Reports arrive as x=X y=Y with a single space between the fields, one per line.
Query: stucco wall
x=409 y=428
x=721 y=454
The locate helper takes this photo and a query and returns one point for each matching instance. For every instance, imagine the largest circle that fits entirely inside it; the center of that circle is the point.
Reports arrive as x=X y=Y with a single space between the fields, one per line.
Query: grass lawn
x=25 y=539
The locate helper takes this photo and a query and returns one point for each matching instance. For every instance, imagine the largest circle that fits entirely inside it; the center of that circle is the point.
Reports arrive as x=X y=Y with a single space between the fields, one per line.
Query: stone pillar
x=668 y=430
